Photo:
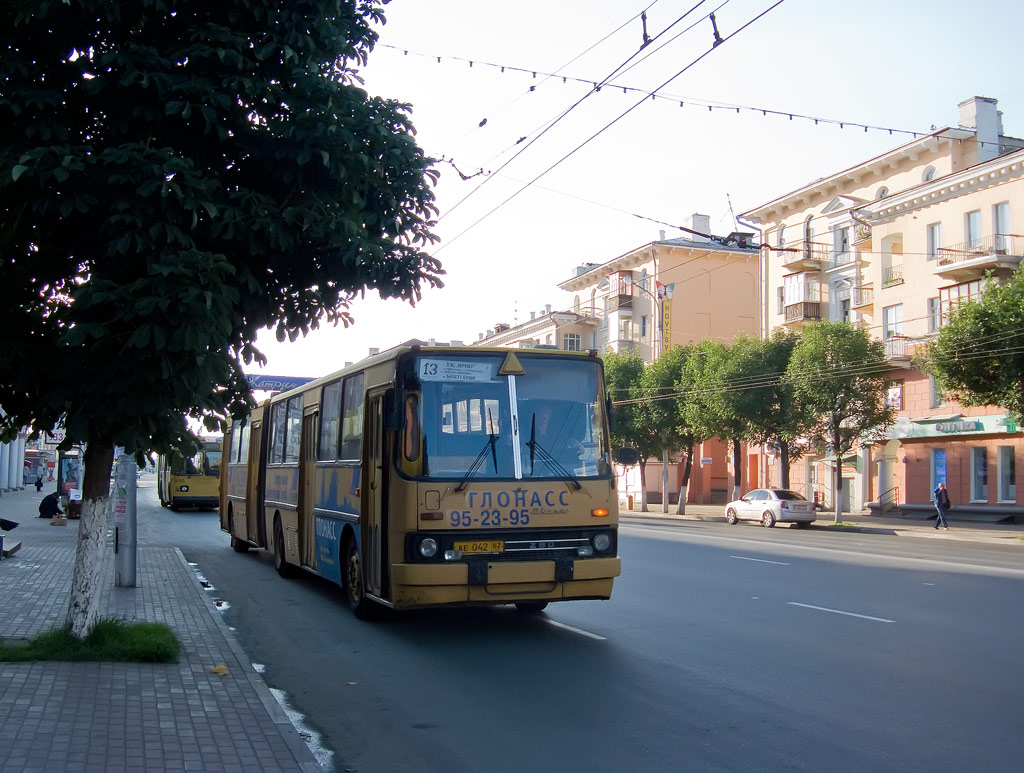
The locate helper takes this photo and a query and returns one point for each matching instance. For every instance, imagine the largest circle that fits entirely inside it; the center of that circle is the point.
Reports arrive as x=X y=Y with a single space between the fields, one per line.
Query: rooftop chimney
x=547 y=308
x=533 y=315
x=374 y=351
x=701 y=224
x=980 y=114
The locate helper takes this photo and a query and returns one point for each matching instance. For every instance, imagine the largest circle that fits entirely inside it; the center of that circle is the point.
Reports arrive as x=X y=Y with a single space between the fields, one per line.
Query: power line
x=611 y=123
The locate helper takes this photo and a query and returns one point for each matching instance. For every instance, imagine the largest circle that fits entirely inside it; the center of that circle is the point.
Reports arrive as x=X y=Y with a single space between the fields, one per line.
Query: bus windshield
x=484 y=417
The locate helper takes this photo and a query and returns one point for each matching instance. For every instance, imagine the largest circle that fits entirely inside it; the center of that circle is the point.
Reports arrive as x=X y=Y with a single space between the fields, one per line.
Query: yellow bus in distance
x=434 y=476
x=190 y=481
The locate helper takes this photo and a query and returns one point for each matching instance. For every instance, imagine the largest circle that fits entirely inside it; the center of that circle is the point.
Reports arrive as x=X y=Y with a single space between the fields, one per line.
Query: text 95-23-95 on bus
x=431 y=476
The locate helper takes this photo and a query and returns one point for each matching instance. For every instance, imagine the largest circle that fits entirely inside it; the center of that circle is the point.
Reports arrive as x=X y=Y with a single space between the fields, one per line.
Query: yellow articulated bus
x=190 y=481
x=428 y=476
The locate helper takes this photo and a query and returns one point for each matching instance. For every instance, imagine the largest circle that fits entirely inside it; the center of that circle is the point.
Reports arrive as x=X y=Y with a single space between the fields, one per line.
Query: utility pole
x=125 y=508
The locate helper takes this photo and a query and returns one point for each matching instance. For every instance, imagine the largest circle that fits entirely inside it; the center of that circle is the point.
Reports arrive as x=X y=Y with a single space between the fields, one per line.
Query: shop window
x=979 y=474
x=938 y=468
x=1007 y=474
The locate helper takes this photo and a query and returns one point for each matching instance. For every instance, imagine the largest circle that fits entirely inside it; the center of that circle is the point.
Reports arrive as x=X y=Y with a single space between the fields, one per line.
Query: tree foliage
x=175 y=177
x=622 y=371
x=837 y=371
x=978 y=354
x=766 y=399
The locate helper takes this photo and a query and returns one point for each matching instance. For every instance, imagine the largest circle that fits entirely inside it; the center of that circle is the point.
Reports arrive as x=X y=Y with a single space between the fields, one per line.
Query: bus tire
x=282 y=566
x=355 y=590
x=530 y=607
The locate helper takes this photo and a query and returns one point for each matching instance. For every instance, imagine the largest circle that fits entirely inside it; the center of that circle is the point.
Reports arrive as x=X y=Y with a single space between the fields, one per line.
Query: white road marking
x=580 y=631
x=839 y=612
x=760 y=560
x=838 y=553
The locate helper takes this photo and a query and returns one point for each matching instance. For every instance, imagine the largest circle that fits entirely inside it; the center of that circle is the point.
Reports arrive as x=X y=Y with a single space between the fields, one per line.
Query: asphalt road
x=723 y=648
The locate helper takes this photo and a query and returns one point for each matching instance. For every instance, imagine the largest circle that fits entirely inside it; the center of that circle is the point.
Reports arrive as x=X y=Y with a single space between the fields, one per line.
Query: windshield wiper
x=539 y=450
x=492 y=444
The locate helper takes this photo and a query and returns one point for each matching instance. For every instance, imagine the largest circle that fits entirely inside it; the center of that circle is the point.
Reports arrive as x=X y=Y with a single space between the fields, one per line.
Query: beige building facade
x=665 y=293
x=894 y=244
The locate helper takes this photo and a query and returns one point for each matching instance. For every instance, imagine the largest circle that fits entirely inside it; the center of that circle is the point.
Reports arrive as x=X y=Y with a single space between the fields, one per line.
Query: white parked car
x=771 y=506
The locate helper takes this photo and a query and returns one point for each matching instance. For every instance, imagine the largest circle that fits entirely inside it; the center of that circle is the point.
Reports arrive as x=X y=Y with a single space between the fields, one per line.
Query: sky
x=618 y=167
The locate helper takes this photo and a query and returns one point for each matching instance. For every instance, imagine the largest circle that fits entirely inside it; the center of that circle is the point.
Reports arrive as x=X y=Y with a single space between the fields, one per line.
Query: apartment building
x=662 y=294
x=894 y=244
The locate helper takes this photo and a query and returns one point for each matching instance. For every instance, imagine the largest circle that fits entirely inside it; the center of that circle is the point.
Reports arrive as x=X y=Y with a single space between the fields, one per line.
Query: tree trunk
x=838 y=488
x=98 y=460
x=643 y=485
x=685 y=482
x=737 y=483
x=784 y=464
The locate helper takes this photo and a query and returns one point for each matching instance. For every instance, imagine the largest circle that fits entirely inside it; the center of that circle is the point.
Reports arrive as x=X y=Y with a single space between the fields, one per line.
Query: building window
x=892 y=321
x=936 y=397
x=800 y=288
x=929 y=175
x=979 y=474
x=938 y=471
x=894 y=395
x=781 y=294
x=950 y=298
x=934 y=317
x=1001 y=226
x=841 y=245
x=808 y=236
x=643 y=327
x=972 y=228
x=1007 y=474
x=933 y=234
x=571 y=342
x=882 y=193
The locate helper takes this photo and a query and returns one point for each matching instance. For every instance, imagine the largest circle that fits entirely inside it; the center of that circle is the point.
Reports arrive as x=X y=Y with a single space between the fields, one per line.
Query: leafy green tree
x=838 y=372
x=622 y=371
x=979 y=354
x=766 y=399
x=174 y=177
x=710 y=404
x=659 y=416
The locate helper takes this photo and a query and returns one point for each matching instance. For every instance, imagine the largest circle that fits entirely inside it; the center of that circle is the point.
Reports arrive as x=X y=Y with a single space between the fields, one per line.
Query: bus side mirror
x=627 y=456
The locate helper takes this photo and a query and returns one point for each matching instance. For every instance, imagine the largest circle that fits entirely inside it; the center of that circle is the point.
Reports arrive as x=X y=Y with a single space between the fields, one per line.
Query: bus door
x=373 y=520
x=255 y=523
x=307 y=483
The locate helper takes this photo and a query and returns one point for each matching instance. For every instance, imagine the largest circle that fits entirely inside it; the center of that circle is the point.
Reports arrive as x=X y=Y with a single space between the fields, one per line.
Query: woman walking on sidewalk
x=941 y=505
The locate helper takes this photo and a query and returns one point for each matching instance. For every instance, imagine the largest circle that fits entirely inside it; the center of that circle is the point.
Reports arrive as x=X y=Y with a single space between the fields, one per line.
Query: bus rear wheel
x=282 y=566
x=355 y=591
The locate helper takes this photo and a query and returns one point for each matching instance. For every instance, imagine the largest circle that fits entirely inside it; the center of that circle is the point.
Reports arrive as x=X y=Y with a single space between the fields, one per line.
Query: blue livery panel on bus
x=328 y=547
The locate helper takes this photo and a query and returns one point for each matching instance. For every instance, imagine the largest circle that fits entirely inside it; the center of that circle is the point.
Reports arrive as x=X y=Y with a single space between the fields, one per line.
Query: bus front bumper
x=503 y=582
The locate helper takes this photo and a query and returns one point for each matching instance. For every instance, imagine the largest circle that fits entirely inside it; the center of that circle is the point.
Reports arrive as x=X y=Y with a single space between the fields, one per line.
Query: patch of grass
x=833 y=523
x=111 y=639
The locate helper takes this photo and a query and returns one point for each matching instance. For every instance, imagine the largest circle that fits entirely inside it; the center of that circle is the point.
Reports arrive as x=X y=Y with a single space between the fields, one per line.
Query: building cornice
x=984 y=175
x=838 y=183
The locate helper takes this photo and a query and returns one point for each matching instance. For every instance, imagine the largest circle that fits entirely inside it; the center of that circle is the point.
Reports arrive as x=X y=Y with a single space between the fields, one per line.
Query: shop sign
x=960 y=426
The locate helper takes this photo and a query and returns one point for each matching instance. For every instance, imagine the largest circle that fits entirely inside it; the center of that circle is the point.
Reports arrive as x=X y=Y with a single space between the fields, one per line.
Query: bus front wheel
x=355 y=591
x=282 y=566
x=530 y=607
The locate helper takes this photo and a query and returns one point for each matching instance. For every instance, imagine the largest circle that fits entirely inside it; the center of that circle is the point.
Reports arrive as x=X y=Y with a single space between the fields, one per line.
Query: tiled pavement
x=105 y=717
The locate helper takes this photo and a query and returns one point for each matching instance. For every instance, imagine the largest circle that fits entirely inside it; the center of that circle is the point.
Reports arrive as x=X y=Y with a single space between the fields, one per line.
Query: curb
x=897 y=531
x=289 y=733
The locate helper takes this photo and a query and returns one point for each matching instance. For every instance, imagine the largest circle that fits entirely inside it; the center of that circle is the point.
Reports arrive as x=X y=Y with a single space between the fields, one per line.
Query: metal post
x=124 y=522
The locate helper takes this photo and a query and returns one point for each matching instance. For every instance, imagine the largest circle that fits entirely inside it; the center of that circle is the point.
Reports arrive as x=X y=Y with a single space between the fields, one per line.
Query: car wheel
x=768 y=519
x=355 y=592
x=730 y=516
x=531 y=607
x=282 y=566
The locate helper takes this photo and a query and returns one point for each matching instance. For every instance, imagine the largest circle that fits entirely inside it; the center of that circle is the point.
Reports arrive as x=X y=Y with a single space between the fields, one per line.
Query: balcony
x=807 y=311
x=897 y=352
x=861 y=297
x=862 y=237
x=999 y=253
x=807 y=257
x=892 y=276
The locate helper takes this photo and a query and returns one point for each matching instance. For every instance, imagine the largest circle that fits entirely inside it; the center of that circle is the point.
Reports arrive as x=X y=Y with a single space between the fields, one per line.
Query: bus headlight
x=183 y=489
x=602 y=541
x=428 y=547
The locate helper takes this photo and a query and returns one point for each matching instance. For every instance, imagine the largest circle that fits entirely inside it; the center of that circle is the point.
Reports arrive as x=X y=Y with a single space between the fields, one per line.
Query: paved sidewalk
x=974 y=531
x=105 y=717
